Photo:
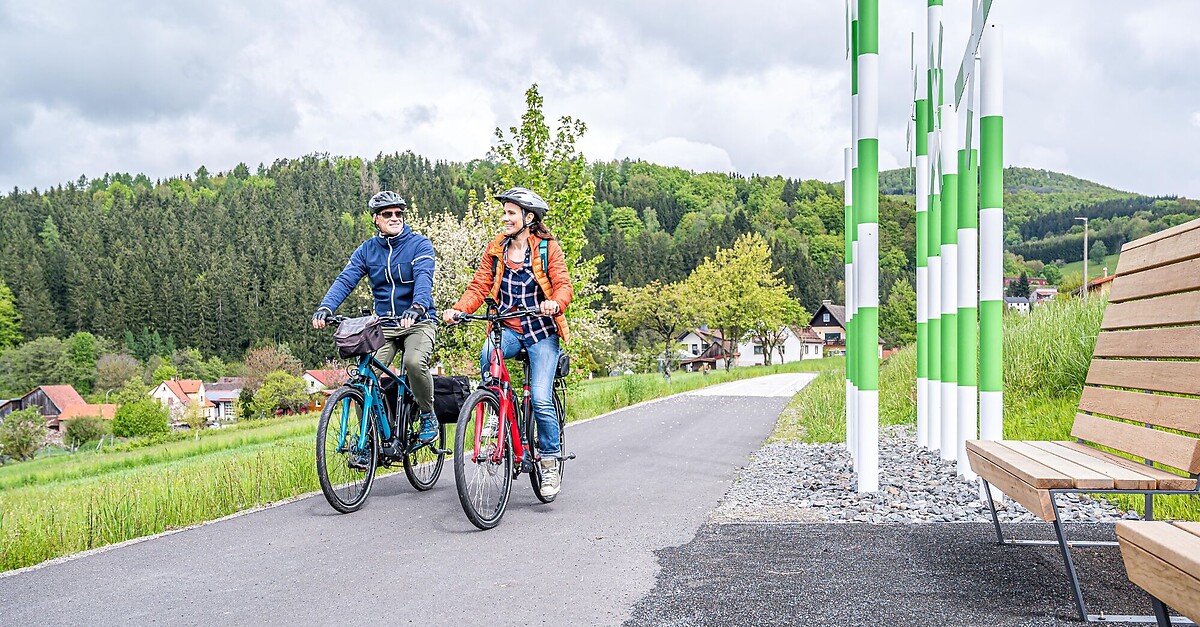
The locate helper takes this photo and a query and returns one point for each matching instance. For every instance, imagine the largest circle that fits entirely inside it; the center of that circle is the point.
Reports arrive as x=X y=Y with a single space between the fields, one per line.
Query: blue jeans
x=543 y=361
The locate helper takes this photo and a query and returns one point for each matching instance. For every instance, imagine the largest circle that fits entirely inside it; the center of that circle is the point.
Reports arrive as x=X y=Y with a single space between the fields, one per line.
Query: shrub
x=140 y=418
x=279 y=391
x=86 y=429
x=22 y=434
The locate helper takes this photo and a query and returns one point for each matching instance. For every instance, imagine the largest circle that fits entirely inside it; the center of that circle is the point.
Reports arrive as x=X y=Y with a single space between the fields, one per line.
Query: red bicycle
x=495 y=439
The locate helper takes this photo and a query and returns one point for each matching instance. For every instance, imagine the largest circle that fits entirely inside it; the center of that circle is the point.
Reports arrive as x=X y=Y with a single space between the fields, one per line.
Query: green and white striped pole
x=991 y=223
x=852 y=228
x=949 y=160
x=922 y=201
x=867 y=283
x=932 y=297
x=851 y=393
x=968 y=291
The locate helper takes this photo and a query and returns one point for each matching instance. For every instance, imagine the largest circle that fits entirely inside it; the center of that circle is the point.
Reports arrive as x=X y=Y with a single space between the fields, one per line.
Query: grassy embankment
x=1096 y=270
x=1046 y=358
x=64 y=504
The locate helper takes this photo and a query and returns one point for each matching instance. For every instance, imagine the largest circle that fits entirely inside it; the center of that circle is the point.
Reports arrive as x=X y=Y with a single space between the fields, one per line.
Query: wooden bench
x=1164 y=559
x=1140 y=399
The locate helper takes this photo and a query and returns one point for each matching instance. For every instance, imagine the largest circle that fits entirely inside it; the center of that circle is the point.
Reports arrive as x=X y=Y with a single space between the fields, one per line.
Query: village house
x=177 y=394
x=1017 y=303
x=1040 y=295
x=58 y=404
x=223 y=395
x=319 y=384
x=829 y=322
x=798 y=344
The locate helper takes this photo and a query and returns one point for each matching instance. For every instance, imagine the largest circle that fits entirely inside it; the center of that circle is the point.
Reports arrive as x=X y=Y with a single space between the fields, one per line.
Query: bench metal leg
x=1066 y=553
x=987 y=489
x=1162 y=613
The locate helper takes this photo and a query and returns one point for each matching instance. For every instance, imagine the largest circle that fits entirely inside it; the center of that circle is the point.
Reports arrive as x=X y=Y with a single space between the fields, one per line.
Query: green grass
x=63 y=504
x=1096 y=270
x=1046 y=358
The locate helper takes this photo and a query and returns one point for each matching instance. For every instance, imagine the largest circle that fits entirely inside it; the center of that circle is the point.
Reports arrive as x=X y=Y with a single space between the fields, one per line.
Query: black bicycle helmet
x=527 y=200
x=386 y=199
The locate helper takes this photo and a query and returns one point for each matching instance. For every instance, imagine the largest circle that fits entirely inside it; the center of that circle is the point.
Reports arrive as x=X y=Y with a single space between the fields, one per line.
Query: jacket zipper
x=391 y=282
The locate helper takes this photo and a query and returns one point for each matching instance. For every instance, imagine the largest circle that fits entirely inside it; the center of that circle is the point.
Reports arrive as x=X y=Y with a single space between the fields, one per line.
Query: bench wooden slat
x=1174 y=343
x=1177 y=377
x=1123 y=478
x=1030 y=471
x=1173 y=412
x=1034 y=500
x=1177 y=587
x=1177 y=277
x=1160 y=311
x=1081 y=476
x=1172 y=449
x=1169 y=246
x=1188 y=526
x=1165 y=480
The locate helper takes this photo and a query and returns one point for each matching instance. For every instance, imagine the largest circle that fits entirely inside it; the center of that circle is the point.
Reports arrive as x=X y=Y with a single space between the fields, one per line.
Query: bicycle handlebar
x=499 y=316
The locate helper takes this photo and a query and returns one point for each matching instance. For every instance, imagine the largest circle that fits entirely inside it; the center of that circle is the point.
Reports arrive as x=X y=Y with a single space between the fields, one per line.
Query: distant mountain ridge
x=901 y=182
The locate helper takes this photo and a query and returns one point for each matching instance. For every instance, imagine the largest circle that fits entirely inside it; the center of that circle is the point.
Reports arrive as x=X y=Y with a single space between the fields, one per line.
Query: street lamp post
x=1085 y=256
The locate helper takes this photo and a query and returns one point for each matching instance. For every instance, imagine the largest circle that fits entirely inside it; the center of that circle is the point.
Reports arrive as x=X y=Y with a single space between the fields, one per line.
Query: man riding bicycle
x=399 y=264
x=524 y=268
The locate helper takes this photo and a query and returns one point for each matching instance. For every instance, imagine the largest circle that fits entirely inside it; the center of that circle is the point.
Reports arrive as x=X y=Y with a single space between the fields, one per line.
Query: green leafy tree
x=37 y=362
x=22 y=434
x=189 y=362
x=731 y=288
x=664 y=310
x=628 y=221
x=195 y=416
x=1052 y=273
x=898 y=316
x=80 y=352
x=135 y=390
x=280 y=391
x=775 y=317
x=165 y=372
x=80 y=431
x=10 y=319
x=1098 y=252
x=212 y=369
x=144 y=417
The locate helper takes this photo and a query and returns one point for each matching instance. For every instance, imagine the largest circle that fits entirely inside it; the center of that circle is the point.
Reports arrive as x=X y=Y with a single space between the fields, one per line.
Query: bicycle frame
x=502 y=387
x=373 y=405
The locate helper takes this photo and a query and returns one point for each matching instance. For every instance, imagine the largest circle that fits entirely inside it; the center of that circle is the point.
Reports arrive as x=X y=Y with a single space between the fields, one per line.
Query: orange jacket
x=554 y=281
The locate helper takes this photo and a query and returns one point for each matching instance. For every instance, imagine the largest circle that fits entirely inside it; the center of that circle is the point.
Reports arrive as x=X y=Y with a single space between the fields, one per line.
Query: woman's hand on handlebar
x=549 y=307
x=451 y=316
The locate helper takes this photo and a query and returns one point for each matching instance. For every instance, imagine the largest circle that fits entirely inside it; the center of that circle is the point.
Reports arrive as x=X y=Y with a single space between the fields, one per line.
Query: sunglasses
x=388 y=215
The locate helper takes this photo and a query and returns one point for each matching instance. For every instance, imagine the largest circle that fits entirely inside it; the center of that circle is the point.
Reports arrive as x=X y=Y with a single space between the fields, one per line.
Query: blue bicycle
x=370 y=422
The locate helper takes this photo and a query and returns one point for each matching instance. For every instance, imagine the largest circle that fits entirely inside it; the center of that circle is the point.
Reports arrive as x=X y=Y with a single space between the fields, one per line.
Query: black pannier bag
x=449 y=394
x=564 y=365
x=358 y=336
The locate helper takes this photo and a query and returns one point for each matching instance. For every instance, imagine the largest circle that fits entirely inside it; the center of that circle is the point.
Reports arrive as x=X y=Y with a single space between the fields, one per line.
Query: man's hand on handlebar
x=320 y=316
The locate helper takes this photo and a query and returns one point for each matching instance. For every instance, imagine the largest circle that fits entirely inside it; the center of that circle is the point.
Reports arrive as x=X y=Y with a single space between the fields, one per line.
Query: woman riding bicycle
x=399 y=264
x=515 y=272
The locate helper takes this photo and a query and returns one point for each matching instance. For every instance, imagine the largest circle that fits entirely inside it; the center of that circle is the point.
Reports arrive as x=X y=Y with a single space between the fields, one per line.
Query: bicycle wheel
x=483 y=481
x=345 y=469
x=535 y=477
x=422 y=462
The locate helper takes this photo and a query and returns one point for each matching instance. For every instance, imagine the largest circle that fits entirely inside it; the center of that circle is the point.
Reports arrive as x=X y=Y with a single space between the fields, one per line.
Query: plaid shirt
x=519 y=290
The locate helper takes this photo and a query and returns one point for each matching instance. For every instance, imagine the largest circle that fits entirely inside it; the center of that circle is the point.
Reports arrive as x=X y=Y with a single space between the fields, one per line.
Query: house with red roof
x=177 y=394
x=58 y=403
x=323 y=380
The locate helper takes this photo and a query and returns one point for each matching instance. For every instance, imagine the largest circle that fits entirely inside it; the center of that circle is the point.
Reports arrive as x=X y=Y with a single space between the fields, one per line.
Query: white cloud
x=1196 y=118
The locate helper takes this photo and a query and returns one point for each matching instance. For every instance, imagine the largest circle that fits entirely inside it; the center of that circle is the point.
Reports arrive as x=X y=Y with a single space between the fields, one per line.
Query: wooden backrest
x=1144 y=381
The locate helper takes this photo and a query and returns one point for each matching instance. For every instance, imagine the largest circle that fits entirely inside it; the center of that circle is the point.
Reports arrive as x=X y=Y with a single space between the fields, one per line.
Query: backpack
x=543 y=252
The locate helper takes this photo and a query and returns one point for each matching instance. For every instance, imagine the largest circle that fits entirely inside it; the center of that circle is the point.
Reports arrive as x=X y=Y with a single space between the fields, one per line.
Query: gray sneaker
x=550 y=477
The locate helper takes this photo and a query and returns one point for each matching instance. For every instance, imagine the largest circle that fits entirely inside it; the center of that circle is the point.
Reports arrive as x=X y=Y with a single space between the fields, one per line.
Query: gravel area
x=787 y=482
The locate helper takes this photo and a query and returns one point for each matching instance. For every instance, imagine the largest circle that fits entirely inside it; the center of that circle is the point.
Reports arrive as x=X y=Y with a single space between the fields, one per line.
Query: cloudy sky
x=1103 y=89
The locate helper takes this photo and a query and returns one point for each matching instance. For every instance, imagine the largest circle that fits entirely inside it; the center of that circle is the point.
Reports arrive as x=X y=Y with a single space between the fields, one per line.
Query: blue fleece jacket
x=400 y=269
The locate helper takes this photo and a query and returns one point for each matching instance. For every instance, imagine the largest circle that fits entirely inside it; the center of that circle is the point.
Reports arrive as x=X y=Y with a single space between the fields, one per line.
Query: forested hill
x=222 y=261
x=1040 y=208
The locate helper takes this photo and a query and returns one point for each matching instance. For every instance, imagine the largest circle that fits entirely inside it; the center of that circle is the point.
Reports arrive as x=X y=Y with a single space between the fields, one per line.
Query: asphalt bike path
x=644 y=480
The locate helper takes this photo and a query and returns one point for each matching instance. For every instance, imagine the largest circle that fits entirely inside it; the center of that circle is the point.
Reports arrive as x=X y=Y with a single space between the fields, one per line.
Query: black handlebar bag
x=449 y=394
x=358 y=336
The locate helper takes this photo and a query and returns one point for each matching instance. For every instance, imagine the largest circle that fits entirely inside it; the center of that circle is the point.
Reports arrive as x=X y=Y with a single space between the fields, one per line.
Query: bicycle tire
x=535 y=477
x=473 y=477
x=422 y=466
x=347 y=487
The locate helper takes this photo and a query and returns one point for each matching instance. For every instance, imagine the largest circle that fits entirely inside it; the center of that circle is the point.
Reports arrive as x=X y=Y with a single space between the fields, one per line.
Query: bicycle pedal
x=442 y=451
x=569 y=456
